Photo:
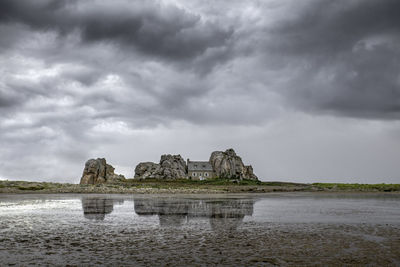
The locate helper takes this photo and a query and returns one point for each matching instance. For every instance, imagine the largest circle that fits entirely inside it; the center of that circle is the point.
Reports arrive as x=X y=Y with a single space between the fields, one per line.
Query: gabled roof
x=199 y=166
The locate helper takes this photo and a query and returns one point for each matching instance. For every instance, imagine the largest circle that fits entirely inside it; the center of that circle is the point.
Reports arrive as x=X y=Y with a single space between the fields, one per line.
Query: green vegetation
x=216 y=181
x=29 y=186
x=219 y=185
x=33 y=187
x=358 y=187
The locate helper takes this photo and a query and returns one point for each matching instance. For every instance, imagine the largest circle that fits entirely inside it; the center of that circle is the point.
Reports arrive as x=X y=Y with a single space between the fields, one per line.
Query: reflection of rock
x=170 y=212
x=228 y=215
x=95 y=208
x=170 y=167
x=97 y=171
x=223 y=214
x=228 y=164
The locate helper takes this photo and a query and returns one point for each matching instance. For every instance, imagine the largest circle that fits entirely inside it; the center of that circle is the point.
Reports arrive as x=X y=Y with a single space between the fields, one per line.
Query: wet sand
x=196 y=231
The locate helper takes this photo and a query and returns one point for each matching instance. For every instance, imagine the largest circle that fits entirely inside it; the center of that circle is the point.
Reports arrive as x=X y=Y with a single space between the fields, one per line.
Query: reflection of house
x=200 y=170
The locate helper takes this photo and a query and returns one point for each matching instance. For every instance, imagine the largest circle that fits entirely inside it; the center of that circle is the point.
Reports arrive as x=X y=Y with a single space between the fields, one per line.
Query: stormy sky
x=304 y=91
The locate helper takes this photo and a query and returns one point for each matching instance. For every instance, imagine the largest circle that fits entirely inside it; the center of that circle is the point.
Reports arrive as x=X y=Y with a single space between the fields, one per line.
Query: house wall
x=195 y=175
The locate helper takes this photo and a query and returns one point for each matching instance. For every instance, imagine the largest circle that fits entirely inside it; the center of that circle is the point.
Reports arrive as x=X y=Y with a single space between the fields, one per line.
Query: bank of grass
x=31 y=186
x=218 y=185
x=358 y=187
x=189 y=182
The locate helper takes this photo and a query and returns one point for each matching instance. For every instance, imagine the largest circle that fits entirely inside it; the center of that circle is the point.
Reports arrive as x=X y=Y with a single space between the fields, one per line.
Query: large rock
x=229 y=165
x=97 y=171
x=146 y=170
x=173 y=167
x=170 y=167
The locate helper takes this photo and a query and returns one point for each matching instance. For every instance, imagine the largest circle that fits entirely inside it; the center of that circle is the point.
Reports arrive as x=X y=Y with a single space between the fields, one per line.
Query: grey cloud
x=160 y=31
x=78 y=77
x=8 y=100
x=326 y=26
x=341 y=57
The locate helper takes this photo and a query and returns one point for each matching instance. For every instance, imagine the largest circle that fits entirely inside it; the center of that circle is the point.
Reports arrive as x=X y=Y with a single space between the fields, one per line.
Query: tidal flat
x=276 y=229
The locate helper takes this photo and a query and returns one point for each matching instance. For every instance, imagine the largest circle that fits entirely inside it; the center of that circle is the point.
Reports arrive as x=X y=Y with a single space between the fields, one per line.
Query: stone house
x=200 y=170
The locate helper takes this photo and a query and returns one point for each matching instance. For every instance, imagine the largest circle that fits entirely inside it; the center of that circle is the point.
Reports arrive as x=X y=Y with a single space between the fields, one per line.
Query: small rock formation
x=170 y=167
x=229 y=165
x=97 y=171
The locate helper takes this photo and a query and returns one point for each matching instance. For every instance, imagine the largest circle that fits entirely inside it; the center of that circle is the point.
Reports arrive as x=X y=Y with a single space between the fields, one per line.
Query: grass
x=32 y=187
x=360 y=187
x=185 y=185
x=215 y=181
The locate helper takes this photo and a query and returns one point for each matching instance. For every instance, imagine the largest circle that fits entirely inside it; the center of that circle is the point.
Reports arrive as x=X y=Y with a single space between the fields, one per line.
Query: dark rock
x=97 y=171
x=146 y=170
x=229 y=165
x=170 y=167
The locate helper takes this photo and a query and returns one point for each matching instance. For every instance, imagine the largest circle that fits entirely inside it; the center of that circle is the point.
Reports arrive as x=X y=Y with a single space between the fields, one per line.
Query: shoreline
x=174 y=187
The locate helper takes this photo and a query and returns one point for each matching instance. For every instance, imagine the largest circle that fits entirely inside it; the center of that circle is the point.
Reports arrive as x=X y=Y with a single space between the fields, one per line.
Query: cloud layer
x=81 y=77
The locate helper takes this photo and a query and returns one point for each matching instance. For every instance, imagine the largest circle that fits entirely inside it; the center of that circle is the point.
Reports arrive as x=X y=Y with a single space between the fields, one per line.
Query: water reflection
x=222 y=214
x=96 y=208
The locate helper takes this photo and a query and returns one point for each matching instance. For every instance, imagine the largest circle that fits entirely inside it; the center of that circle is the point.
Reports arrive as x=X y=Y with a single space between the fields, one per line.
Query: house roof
x=199 y=166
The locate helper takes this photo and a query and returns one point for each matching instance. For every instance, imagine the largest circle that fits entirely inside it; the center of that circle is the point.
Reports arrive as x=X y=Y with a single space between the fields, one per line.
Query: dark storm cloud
x=345 y=55
x=340 y=57
x=163 y=31
x=78 y=77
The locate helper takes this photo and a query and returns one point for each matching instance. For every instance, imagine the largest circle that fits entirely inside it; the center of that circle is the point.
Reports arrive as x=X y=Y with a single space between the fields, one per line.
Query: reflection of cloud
x=223 y=214
x=95 y=208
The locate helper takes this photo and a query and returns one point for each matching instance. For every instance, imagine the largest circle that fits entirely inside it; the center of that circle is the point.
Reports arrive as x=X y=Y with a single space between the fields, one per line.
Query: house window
x=194 y=174
x=206 y=174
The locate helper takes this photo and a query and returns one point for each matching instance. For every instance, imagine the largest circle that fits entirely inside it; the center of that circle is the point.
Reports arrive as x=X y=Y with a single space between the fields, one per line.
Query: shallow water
x=245 y=229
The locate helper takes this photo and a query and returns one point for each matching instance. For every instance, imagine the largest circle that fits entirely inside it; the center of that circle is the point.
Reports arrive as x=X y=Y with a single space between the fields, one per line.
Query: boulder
x=146 y=170
x=173 y=167
x=97 y=171
x=249 y=173
x=229 y=165
x=170 y=167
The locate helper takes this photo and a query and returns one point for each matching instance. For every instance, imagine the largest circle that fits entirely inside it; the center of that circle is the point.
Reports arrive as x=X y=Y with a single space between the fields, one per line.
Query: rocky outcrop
x=170 y=167
x=249 y=173
x=173 y=167
x=147 y=170
x=229 y=165
x=97 y=171
x=225 y=164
